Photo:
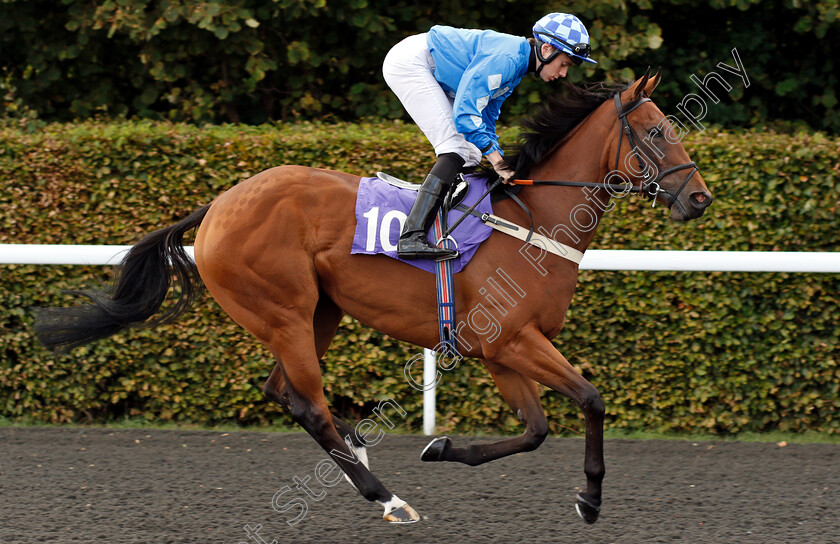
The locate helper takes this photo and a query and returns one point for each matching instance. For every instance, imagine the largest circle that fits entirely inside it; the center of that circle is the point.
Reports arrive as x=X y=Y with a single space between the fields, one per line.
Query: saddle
x=455 y=195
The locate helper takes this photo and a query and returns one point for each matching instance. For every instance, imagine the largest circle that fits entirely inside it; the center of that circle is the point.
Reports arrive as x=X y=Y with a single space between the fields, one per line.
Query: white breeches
x=409 y=71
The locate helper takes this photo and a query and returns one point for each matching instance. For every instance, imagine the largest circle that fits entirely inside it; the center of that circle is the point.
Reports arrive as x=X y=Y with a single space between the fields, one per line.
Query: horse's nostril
x=701 y=199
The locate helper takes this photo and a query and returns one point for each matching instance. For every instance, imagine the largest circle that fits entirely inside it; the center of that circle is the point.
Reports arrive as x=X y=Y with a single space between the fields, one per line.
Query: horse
x=274 y=252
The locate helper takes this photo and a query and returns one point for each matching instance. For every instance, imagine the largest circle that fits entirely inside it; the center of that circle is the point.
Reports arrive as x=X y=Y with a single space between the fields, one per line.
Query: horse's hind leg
x=325 y=323
x=523 y=396
x=274 y=390
x=296 y=383
x=281 y=314
x=276 y=383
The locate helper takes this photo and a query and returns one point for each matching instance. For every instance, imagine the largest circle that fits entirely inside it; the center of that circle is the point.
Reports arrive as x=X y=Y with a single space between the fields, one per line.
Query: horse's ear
x=641 y=84
x=653 y=82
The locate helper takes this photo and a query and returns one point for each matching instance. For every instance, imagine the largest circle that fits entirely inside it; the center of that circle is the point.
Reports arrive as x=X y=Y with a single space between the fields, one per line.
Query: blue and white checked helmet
x=566 y=33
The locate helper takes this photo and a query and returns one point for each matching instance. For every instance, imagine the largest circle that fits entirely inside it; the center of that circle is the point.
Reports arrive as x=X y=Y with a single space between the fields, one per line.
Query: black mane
x=554 y=120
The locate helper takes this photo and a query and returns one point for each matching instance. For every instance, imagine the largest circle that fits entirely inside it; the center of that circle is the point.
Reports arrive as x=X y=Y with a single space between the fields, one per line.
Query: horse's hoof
x=586 y=510
x=435 y=449
x=403 y=514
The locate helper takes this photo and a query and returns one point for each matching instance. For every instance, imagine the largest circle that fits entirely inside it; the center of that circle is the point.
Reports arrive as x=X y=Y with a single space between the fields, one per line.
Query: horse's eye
x=655 y=132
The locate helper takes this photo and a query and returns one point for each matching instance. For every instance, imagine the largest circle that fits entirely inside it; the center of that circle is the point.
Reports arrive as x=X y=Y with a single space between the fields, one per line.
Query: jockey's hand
x=505 y=174
x=498 y=163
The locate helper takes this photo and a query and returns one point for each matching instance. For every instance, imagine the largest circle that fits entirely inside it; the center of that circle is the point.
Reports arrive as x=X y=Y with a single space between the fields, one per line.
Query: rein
x=649 y=187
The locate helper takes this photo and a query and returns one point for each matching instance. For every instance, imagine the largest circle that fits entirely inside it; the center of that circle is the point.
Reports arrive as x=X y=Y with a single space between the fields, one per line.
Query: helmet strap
x=544 y=60
x=532 y=59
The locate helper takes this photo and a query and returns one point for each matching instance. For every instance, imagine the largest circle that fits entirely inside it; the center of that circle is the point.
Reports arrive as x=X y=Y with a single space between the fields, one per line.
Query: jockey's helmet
x=567 y=34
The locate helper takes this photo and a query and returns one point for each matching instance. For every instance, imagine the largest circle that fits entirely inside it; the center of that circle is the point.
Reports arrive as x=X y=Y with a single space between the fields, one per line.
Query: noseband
x=650 y=184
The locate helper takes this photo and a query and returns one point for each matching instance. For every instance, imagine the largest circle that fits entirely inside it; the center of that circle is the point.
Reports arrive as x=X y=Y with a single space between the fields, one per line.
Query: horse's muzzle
x=691 y=206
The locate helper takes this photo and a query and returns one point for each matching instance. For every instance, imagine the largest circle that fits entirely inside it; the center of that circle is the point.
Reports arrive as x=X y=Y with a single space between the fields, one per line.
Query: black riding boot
x=413 y=243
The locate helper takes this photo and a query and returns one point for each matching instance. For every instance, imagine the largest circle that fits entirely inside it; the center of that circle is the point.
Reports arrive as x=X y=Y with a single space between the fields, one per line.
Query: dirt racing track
x=113 y=486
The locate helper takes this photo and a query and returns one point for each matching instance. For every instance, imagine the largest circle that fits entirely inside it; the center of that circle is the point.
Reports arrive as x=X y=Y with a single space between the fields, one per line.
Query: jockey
x=452 y=83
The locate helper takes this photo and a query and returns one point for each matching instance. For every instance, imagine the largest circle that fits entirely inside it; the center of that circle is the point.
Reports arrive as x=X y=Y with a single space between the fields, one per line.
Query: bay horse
x=274 y=252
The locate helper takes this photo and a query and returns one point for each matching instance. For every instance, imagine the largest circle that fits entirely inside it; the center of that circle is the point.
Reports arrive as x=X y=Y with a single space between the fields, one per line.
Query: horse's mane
x=554 y=120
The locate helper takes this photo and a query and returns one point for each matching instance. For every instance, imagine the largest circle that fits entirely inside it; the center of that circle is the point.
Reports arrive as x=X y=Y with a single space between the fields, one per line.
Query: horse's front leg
x=523 y=396
x=534 y=356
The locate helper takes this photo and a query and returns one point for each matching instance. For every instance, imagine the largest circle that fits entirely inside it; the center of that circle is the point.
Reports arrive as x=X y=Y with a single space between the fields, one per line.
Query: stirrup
x=455 y=255
x=417 y=247
x=442 y=258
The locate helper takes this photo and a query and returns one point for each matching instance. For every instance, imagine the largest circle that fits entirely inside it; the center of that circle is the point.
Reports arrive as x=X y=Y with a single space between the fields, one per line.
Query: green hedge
x=254 y=60
x=709 y=352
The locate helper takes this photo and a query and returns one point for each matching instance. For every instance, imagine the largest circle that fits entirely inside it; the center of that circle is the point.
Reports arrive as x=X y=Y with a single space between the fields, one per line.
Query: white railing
x=594 y=259
x=63 y=254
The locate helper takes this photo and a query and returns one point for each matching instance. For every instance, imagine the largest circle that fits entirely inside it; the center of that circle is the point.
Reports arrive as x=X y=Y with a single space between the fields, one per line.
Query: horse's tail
x=143 y=279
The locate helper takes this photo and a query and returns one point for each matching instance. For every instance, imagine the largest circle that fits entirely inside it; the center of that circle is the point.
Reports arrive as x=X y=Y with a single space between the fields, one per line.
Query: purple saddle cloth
x=381 y=212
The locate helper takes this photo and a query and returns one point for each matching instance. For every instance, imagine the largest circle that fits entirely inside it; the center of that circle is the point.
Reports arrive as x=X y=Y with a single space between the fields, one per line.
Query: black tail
x=142 y=281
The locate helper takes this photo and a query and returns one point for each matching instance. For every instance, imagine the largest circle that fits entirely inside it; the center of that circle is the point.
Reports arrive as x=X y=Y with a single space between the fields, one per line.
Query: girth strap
x=526 y=235
x=445 y=290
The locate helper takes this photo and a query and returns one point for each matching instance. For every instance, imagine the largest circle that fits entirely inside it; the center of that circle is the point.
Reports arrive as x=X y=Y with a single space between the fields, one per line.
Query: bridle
x=649 y=187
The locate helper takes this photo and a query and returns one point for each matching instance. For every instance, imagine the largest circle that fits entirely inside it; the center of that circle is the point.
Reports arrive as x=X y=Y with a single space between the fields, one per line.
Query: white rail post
x=429 y=374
